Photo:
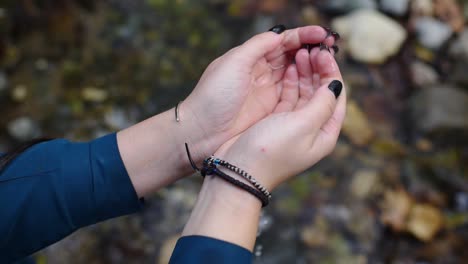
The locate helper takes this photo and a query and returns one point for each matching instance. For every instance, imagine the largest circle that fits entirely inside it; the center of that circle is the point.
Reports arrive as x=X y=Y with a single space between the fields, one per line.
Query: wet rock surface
x=441 y=109
x=394 y=190
x=382 y=36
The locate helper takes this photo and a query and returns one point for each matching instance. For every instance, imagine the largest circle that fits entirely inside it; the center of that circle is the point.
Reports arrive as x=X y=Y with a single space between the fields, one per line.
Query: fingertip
x=326 y=65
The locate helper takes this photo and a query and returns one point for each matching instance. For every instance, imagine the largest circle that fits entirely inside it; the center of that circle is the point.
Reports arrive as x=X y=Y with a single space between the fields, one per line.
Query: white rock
x=23 y=128
x=395 y=7
x=371 y=37
x=432 y=33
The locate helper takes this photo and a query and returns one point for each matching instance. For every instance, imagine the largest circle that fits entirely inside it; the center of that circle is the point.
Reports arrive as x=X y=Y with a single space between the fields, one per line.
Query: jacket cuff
x=201 y=249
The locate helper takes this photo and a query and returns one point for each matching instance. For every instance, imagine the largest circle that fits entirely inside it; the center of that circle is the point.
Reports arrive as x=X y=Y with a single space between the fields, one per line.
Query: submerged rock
x=459 y=48
x=356 y=126
x=365 y=183
x=23 y=128
x=345 y=6
x=424 y=221
x=432 y=33
x=423 y=74
x=3 y=81
x=371 y=36
x=422 y=7
x=440 y=109
x=93 y=94
x=395 y=7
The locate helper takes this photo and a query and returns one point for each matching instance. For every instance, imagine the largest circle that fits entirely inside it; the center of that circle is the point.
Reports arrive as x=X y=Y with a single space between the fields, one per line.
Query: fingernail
x=278 y=29
x=336 y=35
x=328 y=30
x=324 y=47
x=336 y=87
x=336 y=49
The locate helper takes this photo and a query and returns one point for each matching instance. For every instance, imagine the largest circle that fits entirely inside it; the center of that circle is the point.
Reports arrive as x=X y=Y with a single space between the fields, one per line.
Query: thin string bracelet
x=240 y=172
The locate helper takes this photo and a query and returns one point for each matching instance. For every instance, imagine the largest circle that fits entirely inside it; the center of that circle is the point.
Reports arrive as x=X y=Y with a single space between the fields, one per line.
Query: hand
x=242 y=87
x=302 y=130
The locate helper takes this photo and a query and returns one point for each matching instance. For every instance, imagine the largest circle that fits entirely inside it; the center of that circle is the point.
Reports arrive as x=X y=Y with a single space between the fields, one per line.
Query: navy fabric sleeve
x=58 y=186
x=200 y=249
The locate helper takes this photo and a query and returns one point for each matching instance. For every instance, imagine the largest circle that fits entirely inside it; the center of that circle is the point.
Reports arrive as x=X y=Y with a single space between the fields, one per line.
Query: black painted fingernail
x=278 y=29
x=328 y=30
x=336 y=87
x=336 y=49
x=336 y=35
x=324 y=47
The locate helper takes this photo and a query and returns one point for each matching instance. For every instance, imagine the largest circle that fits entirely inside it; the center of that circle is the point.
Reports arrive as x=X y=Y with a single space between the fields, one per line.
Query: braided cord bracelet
x=240 y=172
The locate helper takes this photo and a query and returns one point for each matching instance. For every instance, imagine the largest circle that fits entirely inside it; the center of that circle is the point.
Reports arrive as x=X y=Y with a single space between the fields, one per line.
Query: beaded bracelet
x=209 y=168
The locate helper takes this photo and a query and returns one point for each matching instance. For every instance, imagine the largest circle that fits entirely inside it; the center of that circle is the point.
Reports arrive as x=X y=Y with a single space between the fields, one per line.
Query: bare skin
x=303 y=128
x=237 y=90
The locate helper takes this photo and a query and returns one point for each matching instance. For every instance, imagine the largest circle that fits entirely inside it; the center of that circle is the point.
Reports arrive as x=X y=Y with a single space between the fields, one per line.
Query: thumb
x=258 y=46
x=322 y=105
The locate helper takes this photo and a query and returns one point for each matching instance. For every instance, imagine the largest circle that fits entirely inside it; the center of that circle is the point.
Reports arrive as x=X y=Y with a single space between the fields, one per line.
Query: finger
x=293 y=39
x=322 y=105
x=328 y=135
x=313 y=59
x=290 y=90
x=325 y=67
x=305 y=73
x=257 y=47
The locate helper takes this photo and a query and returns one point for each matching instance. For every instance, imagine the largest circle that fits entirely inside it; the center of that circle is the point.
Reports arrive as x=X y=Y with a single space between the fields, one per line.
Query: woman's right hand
x=304 y=127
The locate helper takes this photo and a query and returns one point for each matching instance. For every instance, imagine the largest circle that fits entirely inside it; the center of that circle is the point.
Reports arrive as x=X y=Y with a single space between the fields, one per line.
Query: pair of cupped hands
x=273 y=106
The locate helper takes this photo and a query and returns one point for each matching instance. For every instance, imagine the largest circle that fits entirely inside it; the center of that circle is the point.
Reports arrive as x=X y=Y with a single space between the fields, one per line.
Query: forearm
x=225 y=212
x=153 y=150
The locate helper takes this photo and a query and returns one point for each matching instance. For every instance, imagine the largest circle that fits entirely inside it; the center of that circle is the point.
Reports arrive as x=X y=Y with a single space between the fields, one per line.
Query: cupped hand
x=303 y=127
x=244 y=86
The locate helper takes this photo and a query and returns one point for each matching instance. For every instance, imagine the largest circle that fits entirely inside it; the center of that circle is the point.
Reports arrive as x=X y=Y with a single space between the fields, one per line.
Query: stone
x=19 y=93
x=23 y=128
x=459 y=48
x=371 y=37
x=424 y=221
x=423 y=74
x=93 y=94
x=3 y=81
x=440 y=108
x=345 y=6
x=451 y=13
x=356 y=125
x=395 y=7
x=395 y=207
x=432 y=33
x=365 y=183
x=422 y=7
x=116 y=118
x=167 y=248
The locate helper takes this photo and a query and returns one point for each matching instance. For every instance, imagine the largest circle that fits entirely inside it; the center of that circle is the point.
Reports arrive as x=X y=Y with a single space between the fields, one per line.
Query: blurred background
x=394 y=191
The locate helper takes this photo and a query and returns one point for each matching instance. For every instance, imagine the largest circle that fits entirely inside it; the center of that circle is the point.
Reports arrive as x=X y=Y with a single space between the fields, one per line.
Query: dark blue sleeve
x=200 y=249
x=56 y=187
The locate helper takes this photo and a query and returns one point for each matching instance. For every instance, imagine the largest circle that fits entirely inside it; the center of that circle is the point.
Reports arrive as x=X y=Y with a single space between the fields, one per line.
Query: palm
x=299 y=84
x=246 y=84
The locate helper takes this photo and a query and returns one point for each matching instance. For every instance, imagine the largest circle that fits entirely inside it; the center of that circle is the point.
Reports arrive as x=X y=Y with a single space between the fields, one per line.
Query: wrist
x=190 y=129
x=225 y=212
